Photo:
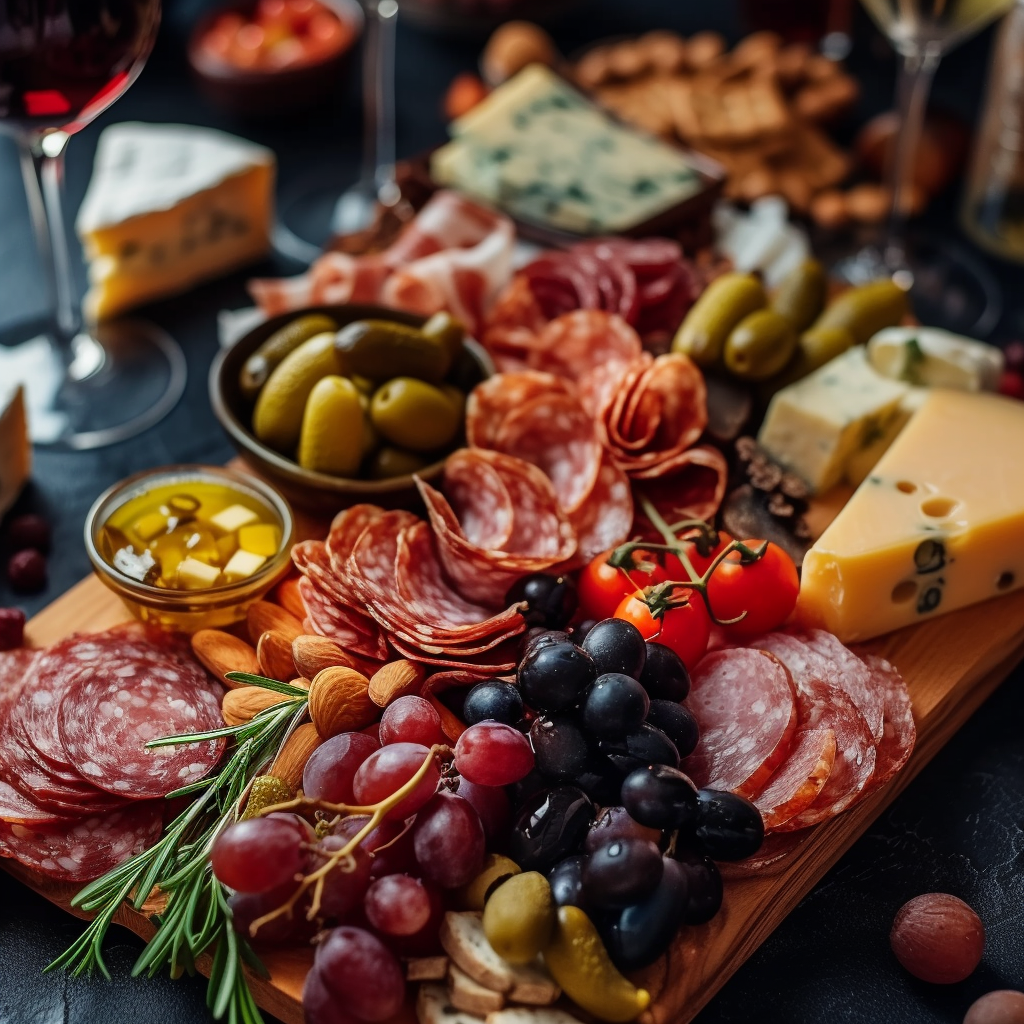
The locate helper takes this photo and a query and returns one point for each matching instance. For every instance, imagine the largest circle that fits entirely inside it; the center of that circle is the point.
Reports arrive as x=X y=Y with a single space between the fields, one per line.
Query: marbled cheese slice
x=169 y=206
x=937 y=525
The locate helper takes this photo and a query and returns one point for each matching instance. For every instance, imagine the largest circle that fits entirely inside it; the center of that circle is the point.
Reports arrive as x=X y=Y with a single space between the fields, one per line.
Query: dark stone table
x=957 y=829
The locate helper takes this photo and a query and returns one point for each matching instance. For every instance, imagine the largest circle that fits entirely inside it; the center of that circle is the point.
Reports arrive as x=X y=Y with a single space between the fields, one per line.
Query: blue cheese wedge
x=169 y=206
x=929 y=357
x=539 y=149
x=835 y=423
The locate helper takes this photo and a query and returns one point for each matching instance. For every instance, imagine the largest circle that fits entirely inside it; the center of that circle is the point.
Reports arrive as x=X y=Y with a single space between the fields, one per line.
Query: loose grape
x=29 y=531
x=550 y=826
x=676 y=721
x=332 y=766
x=320 y=1005
x=26 y=571
x=397 y=905
x=411 y=720
x=615 y=705
x=566 y=881
x=616 y=823
x=616 y=646
x=559 y=747
x=1004 y=1006
x=258 y=854
x=386 y=770
x=551 y=601
x=645 y=745
x=728 y=826
x=664 y=676
x=660 y=797
x=494 y=700
x=491 y=803
x=346 y=883
x=361 y=972
x=703 y=886
x=622 y=873
x=493 y=754
x=554 y=676
x=449 y=840
x=938 y=938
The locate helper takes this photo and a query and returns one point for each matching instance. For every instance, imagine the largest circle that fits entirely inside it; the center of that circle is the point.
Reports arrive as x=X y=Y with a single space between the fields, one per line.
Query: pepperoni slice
x=899 y=733
x=82 y=850
x=746 y=710
x=797 y=783
x=105 y=720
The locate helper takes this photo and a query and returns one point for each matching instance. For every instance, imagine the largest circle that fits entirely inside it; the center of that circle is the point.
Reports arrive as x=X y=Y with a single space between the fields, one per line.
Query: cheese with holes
x=937 y=525
x=169 y=206
x=15 y=447
x=836 y=422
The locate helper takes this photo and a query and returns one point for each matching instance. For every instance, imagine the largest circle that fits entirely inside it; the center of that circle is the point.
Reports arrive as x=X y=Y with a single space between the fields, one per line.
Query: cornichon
x=380 y=350
x=580 y=964
x=259 y=366
x=519 y=917
x=801 y=296
x=723 y=304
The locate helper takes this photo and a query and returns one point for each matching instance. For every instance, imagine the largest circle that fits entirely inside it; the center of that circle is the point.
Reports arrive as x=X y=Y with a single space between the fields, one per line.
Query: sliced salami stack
x=801 y=725
x=79 y=791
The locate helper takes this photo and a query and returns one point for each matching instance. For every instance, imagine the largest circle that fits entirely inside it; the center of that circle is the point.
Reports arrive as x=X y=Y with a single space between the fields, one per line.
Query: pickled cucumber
x=519 y=917
x=724 y=303
x=332 y=428
x=259 y=366
x=865 y=310
x=379 y=350
x=415 y=415
x=801 y=296
x=760 y=345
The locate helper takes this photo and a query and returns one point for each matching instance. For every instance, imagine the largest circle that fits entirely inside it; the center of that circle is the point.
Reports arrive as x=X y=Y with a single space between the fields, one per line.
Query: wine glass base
x=949 y=287
x=119 y=380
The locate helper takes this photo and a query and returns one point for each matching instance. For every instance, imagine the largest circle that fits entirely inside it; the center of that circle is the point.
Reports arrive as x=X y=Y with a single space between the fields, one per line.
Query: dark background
x=957 y=829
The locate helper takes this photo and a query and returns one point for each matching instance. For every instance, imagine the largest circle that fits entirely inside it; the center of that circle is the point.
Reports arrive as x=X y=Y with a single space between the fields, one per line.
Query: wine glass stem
x=915 y=81
x=379 y=96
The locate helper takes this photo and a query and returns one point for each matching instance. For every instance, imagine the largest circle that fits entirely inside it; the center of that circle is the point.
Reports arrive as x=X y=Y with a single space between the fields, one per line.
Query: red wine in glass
x=62 y=62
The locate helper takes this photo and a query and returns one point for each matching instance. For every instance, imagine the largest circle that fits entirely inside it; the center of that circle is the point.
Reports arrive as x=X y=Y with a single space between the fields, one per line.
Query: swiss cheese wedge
x=937 y=525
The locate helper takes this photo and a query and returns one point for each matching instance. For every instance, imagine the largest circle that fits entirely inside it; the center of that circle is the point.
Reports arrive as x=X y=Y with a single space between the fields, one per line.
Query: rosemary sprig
x=193 y=916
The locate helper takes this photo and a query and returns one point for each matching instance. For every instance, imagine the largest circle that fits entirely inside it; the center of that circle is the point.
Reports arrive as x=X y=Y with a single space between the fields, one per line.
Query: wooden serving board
x=951 y=666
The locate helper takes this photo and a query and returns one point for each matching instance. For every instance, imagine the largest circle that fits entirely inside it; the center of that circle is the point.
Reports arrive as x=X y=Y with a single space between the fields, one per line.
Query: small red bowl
x=270 y=92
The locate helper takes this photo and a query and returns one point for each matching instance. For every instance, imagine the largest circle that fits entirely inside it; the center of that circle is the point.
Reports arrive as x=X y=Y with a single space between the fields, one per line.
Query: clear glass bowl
x=190 y=610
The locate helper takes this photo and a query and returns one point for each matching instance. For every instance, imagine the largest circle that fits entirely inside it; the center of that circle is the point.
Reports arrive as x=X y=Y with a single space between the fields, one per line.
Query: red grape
x=449 y=840
x=938 y=938
x=320 y=1005
x=343 y=890
x=493 y=754
x=397 y=905
x=1004 y=1006
x=259 y=854
x=425 y=942
x=390 y=843
x=286 y=930
x=332 y=766
x=491 y=803
x=357 y=968
x=386 y=770
x=411 y=720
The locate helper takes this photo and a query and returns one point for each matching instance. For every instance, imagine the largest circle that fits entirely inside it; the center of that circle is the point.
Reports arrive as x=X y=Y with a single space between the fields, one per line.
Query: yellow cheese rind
x=936 y=526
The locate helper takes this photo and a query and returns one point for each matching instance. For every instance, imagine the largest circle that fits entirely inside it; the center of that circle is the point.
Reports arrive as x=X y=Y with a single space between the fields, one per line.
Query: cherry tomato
x=602 y=587
x=766 y=590
x=674 y=569
x=685 y=629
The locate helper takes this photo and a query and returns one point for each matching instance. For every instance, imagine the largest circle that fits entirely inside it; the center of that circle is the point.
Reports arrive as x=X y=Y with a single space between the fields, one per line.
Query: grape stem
x=342 y=857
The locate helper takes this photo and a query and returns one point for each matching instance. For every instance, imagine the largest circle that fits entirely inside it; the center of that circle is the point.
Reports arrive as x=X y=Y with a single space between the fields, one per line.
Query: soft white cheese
x=929 y=357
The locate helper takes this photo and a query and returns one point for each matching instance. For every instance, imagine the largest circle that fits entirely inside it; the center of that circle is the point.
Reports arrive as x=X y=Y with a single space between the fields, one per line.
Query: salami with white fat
x=797 y=783
x=899 y=733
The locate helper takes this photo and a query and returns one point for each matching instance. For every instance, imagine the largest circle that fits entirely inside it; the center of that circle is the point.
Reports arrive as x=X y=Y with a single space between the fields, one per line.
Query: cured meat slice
x=604 y=520
x=355 y=631
x=491 y=402
x=82 y=850
x=17 y=809
x=899 y=733
x=746 y=711
x=496 y=661
x=105 y=720
x=481 y=503
x=693 y=490
x=852 y=675
x=576 y=343
x=313 y=560
x=799 y=780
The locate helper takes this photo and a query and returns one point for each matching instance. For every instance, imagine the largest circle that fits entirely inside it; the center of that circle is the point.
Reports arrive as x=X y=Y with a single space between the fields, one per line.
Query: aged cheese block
x=15 y=447
x=170 y=206
x=937 y=525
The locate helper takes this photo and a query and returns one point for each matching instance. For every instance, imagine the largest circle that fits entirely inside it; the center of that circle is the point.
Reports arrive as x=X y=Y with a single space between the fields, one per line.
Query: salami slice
x=605 y=519
x=481 y=503
x=745 y=707
x=694 y=489
x=355 y=631
x=574 y=344
x=899 y=733
x=496 y=661
x=82 y=850
x=17 y=809
x=105 y=721
x=493 y=401
x=799 y=780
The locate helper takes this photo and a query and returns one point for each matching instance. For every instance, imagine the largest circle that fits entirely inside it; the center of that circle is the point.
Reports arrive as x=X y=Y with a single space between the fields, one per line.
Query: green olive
x=444 y=328
x=760 y=345
x=415 y=415
x=865 y=310
x=380 y=350
x=259 y=366
x=388 y=462
x=723 y=304
x=801 y=296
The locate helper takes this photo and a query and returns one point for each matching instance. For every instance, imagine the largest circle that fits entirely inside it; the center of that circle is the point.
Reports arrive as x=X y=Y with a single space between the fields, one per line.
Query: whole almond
x=243 y=704
x=395 y=679
x=291 y=759
x=262 y=615
x=339 y=701
x=221 y=653
x=274 y=653
x=312 y=654
x=289 y=597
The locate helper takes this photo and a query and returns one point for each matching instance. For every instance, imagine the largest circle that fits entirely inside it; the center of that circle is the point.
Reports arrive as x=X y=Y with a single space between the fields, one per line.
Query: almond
x=451 y=725
x=339 y=701
x=312 y=654
x=262 y=615
x=395 y=679
x=274 y=653
x=291 y=759
x=289 y=597
x=246 y=702
x=221 y=653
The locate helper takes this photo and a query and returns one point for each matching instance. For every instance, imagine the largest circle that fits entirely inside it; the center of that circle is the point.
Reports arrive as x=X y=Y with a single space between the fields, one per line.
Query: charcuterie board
x=951 y=665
